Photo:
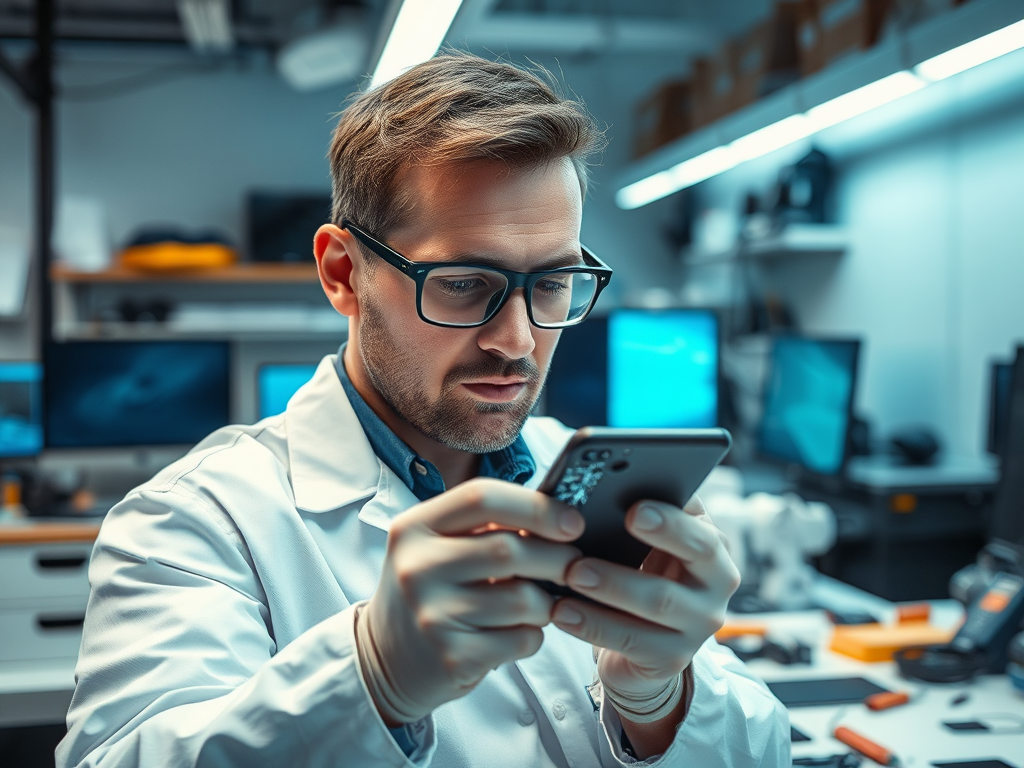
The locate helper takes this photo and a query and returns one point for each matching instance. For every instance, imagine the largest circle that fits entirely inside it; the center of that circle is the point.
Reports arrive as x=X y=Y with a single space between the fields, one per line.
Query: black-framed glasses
x=457 y=294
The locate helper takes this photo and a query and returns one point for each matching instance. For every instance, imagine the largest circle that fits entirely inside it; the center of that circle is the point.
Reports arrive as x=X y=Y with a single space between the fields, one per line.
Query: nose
x=509 y=333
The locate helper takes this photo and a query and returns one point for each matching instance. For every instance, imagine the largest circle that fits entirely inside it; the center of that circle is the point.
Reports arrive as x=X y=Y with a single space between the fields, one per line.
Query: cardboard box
x=714 y=86
x=831 y=29
x=663 y=117
x=767 y=57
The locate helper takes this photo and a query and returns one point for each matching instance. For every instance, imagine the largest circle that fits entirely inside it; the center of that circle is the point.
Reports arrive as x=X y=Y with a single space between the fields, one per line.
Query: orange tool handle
x=865 y=746
x=887 y=700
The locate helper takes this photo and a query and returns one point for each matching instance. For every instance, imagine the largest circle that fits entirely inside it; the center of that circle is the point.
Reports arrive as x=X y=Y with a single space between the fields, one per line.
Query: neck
x=455 y=466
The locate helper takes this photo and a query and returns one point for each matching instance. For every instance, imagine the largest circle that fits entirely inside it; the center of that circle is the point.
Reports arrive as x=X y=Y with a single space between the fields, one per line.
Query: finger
x=694 y=540
x=484 y=501
x=498 y=555
x=653 y=598
x=652 y=647
x=471 y=655
x=695 y=507
x=507 y=604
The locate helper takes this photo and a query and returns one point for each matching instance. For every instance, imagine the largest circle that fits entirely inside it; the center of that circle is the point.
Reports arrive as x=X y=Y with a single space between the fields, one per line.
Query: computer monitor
x=637 y=368
x=1008 y=504
x=21 y=421
x=281 y=225
x=576 y=390
x=808 y=401
x=134 y=393
x=277 y=382
x=998 y=406
x=663 y=368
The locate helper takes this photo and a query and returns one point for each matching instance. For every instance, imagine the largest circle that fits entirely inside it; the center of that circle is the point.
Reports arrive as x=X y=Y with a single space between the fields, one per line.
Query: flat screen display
x=576 y=390
x=21 y=422
x=277 y=383
x=999 y=406
x=808 y=401
x=100 y=394
x=663 y=368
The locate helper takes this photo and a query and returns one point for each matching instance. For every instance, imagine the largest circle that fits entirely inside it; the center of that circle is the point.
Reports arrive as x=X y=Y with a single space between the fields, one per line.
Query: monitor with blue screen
x=134 y=393
x=637 y=368
x=662 y=368
x=21 y=421
x=808 y=402
x=276 y=383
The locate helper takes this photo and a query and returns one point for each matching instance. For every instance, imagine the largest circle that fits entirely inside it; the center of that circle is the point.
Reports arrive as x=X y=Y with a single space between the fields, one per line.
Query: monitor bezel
x=805 y=471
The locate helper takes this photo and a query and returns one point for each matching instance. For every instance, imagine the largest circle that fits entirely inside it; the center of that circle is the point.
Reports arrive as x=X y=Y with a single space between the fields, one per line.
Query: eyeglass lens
x=468 y=296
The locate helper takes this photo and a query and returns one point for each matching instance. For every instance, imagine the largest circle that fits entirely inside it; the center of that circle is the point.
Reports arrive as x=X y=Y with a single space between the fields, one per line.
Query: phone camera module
x=604 y=455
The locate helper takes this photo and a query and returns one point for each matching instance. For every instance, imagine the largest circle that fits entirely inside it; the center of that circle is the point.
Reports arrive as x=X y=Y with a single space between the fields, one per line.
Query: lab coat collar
x=332 y=463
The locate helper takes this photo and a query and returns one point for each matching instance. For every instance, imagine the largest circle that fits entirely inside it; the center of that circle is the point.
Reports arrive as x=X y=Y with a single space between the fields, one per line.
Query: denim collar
x=514 y=464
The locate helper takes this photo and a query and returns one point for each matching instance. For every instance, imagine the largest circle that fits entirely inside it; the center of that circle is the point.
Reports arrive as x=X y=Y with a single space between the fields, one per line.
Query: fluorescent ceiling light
x=207 y=24
x=772 y=137
x=862 y=100
x=955 y=61
x=324 y=58
x=800 y=126
x=418 y=31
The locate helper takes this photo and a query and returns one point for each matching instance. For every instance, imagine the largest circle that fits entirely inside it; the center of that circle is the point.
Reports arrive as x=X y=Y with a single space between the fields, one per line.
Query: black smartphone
x=603 y=471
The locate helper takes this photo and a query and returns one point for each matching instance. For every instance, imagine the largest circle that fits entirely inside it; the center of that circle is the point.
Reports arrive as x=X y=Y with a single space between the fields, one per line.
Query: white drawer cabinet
x=50 y=630
x=33 y=572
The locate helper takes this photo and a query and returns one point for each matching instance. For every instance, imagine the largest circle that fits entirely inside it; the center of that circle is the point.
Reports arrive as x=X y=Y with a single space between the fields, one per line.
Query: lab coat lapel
x=332 y=462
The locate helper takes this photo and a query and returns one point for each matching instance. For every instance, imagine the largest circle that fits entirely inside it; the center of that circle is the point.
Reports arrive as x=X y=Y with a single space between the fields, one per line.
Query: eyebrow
x=570 y=259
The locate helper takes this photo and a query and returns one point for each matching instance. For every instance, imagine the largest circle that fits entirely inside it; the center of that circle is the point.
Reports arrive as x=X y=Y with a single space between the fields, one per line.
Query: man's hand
x=454 y=599
x=656 y=617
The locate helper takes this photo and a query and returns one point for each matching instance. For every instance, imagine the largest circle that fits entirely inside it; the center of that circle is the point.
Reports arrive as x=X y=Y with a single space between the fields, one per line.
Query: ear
x=334 y=249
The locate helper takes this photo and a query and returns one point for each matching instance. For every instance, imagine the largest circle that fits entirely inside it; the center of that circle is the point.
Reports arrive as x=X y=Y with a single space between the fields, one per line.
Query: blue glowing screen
x=808 y=397
x=101 y=393
x=662 y=368
x=277 y=383
x=21 y=423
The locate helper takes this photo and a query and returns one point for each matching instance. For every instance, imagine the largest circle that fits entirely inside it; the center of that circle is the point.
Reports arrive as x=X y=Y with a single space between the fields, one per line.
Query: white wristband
x=650 y=709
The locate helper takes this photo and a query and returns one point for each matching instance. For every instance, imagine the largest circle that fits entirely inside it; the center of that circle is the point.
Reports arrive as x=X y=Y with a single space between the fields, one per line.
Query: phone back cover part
x=610 y=470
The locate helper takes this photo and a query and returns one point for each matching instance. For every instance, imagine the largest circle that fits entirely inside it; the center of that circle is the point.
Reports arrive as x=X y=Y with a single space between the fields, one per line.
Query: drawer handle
x=48 y=623
x=61 y=562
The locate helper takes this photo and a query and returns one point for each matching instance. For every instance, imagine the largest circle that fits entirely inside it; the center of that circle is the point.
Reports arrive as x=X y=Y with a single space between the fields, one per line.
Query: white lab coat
x=220 y=625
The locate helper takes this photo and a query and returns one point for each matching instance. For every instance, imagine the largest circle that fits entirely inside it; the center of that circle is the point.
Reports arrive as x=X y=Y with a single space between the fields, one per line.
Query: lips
x=496 y=390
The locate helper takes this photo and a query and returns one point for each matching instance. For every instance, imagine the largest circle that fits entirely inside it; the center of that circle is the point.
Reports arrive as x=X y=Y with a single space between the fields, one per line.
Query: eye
x=552 y=286
x=459 y=286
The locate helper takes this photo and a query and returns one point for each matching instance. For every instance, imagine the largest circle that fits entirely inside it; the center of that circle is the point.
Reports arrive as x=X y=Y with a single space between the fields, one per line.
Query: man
x=352 y=583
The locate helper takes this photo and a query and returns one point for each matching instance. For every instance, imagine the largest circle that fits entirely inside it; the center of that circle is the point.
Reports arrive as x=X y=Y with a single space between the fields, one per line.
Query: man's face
x=470 y=389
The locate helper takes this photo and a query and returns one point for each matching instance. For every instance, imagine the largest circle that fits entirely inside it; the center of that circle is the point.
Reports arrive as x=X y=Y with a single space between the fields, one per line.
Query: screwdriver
x=865 y=746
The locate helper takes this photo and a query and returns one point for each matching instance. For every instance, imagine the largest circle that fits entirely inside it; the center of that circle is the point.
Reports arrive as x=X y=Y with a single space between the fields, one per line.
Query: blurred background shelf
x=794 y=240
x=238 y=273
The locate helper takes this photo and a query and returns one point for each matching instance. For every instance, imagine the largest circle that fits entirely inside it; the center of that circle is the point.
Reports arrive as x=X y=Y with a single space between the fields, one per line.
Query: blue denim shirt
x=514 y=464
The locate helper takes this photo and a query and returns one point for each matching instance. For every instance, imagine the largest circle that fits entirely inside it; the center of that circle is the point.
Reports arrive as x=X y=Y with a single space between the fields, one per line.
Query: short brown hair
x=453 y=108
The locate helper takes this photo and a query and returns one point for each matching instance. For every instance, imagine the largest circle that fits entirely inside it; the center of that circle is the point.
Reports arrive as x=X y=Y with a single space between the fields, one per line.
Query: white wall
x=932 y=193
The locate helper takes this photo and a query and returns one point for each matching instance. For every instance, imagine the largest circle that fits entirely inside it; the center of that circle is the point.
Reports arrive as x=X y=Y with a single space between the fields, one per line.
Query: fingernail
x=648 y=519
x=565 y=614
x=570 y=522
x=584 y=576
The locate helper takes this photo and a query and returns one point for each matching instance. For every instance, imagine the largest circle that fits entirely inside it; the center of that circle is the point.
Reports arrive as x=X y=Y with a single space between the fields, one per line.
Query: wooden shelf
x=239 y=273
x=45 y=532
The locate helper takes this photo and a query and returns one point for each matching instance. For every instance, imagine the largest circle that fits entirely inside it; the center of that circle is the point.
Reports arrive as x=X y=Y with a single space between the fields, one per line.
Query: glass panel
x=561 y=299
x=461 y=295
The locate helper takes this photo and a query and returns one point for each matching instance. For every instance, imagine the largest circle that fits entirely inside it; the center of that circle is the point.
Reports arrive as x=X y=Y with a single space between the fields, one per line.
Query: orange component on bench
x=887 y=700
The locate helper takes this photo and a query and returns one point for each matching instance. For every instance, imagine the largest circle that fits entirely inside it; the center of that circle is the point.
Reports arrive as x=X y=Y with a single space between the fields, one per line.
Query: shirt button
x=526 y=717
x=558 y=710
x=419 y=468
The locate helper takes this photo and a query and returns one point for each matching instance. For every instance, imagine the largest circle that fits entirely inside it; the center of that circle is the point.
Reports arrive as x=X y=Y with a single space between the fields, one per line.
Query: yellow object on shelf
x=170 y=256
x=877 y=642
